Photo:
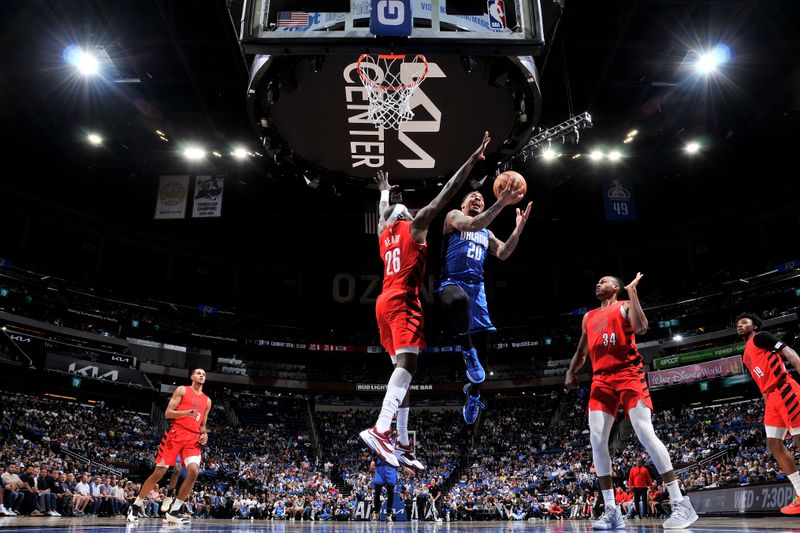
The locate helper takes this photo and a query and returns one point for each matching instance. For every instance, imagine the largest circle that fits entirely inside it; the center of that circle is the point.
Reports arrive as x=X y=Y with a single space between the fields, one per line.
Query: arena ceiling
x=176 y=67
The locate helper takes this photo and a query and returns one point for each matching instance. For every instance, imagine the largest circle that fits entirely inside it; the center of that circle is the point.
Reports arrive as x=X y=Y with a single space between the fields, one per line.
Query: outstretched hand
x=522 y=216
x=382 y=179
x=633 y=284
x=482 y=148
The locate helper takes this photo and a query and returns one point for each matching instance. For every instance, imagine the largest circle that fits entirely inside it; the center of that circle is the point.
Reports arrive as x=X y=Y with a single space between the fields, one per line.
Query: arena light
x=193 y=153
x=239 y=153
x=677 y=338
x=94 y=139
x=596 y=155
x=614 y=156
x=548 y=154
x=86 y=62
x=692 y=148
x=709 y=62
x=216 y=154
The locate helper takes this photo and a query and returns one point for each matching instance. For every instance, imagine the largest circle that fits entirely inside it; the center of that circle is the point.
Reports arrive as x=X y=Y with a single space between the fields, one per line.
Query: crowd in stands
x=703 y=307
x=531 y=459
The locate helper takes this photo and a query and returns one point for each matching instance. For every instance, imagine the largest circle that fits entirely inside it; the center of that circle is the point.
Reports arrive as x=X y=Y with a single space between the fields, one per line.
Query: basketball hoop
x=390 y=80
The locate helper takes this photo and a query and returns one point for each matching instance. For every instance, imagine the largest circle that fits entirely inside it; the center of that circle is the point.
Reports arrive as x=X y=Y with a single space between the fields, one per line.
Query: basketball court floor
x=113 y=525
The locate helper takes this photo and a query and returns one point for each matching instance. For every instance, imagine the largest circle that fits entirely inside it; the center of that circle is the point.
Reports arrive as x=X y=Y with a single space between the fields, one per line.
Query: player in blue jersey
x=461 y=292
x=385 y=475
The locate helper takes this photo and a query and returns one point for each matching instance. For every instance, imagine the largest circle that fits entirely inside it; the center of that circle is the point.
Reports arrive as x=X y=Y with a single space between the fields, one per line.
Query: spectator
x=639 y=480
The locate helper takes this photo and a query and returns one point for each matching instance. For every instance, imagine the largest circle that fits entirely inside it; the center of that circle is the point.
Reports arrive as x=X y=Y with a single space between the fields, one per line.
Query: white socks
x=176 y=505
x=608 y=498
x=674 y=491
x=138 y=502
x=395 y=392
x=794 y=477
x=402 y=425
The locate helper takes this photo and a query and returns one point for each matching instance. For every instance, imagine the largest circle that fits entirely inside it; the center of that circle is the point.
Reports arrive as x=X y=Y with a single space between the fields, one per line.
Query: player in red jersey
x=188 y=409
x=608 y=336
x=402 y=240
x=762 y=357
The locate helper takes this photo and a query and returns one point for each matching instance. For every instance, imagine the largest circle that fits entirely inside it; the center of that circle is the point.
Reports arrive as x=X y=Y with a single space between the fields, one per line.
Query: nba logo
x=497 y=14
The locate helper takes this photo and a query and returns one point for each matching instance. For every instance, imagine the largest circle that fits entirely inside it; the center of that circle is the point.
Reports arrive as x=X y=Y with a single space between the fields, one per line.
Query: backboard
x=309 y=105
x=484 y=27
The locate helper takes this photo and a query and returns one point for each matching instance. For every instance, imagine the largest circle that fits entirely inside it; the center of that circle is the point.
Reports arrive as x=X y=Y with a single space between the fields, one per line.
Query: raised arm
x=579 y=359
x=504 y=249
x=382 y=179
x=635 y=312
x=419 y=226
x=458 y=221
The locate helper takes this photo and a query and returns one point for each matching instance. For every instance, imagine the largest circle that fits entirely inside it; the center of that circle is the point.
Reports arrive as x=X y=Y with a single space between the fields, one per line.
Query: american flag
x=292 y=18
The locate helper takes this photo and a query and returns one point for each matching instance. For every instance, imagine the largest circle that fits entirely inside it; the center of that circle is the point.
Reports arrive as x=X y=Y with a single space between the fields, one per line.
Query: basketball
x=501 y=182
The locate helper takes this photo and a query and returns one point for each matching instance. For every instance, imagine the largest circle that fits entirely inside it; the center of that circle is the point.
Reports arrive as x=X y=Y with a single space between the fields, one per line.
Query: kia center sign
x=314 y=113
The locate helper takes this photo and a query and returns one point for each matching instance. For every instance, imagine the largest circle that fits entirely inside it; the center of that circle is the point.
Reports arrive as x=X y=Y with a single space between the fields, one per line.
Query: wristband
x=385 y=196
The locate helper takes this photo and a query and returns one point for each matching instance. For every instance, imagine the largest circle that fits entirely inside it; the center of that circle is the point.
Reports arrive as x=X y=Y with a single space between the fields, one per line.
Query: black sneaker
x=133 y=513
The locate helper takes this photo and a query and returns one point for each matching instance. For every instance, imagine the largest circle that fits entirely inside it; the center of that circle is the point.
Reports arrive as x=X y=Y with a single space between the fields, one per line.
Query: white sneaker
x=165 y=505
x=4 y=511
x=380 y=444
x=405 y=456
x=682 y=515
x=611 y=519
x=172 y=519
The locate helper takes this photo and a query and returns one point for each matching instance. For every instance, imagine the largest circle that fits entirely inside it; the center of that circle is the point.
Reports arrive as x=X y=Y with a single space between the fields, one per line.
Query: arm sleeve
x=767 y=341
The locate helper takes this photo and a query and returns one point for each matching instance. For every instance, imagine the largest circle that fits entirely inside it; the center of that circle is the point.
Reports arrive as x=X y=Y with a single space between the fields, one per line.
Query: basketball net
x=390 y=80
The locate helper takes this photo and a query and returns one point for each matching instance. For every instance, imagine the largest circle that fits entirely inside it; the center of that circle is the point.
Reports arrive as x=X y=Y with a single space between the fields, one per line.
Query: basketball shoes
x=171 y=518
x=133 y=513
x=611 y=519
x=380 y=444
x=405 y=455
x=472 y=406
x=682 y=515
x=475 y=372
x=793 y=507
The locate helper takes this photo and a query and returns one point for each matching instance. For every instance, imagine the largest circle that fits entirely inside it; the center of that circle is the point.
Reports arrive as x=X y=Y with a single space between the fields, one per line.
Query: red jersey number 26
x=392 y=260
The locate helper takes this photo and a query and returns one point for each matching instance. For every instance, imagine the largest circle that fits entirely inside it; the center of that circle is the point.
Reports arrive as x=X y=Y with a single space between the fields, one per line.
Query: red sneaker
x=793 y=507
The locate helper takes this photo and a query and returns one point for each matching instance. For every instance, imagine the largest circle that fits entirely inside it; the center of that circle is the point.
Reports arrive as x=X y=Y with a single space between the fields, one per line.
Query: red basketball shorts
x=176 y=442
x=624 y=387
x=399 y=315
x=782 y=409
